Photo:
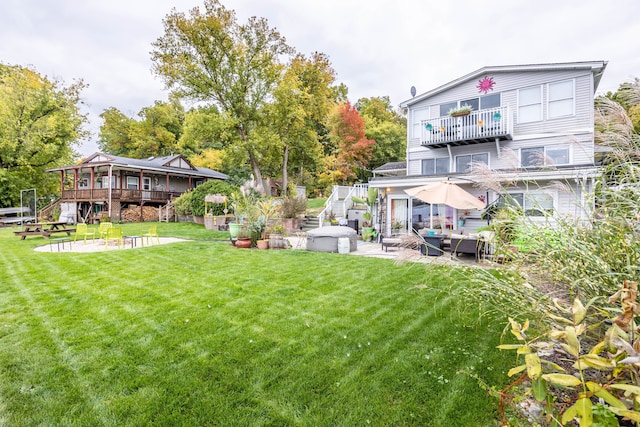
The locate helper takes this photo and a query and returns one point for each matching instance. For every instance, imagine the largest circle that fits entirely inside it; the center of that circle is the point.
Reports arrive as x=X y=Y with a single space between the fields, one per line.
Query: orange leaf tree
x=353 y=149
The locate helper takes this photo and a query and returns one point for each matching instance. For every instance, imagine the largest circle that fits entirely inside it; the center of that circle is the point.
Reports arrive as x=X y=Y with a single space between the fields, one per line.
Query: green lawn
x=201 y=333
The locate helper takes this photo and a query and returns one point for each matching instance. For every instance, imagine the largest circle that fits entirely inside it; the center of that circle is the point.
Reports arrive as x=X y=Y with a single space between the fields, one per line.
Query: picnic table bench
x=44 y=229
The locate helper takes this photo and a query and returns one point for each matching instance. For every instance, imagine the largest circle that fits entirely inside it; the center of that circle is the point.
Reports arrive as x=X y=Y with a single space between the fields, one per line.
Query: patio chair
x=103 y=228
x=113 y=233
x=153 y=232
x=82 y=230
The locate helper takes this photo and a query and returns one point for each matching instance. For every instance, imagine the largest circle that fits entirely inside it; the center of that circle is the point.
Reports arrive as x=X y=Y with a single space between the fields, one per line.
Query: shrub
x=293 y=207
x=182 y=204
x=210 y=187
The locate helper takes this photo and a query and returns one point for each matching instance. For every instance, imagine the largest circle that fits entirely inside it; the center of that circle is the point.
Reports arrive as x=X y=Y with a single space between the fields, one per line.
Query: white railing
x=477 y=125
x=339 y=202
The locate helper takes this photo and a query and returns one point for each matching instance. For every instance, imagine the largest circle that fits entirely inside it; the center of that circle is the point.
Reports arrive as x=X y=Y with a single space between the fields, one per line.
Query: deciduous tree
x=208 y=56
x=40 y=122
x=346 y=130
x=155 y=134
x=387 y=127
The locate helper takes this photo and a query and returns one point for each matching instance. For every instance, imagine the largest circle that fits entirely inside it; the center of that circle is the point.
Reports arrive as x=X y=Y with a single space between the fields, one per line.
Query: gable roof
x=596 y=67
x=175 y=164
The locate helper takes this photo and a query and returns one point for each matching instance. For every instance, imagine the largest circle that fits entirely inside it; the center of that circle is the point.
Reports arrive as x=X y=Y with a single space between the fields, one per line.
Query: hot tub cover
x=325 y=239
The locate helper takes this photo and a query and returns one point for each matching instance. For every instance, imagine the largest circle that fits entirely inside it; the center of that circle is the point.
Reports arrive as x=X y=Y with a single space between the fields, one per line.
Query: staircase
x=166 y=213
x=311 y=222
x=340 y=200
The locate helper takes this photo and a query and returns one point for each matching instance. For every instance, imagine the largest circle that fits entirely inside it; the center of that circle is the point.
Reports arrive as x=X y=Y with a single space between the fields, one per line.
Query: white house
x=531 y=125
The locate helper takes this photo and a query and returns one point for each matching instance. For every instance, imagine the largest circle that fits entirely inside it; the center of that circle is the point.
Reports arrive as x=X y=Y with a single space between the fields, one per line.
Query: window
x=544 y=156
x=418 y=117
x=490 y=101
x=132 y=183
x=435 y=166
x=444 y=108
x=464 y=162
x=532 y=157
x=529 y=104
x=561 y=99
x=105 y=181
x=533 y=203
x=83 y=183
x=474 y=103
x=146 y=183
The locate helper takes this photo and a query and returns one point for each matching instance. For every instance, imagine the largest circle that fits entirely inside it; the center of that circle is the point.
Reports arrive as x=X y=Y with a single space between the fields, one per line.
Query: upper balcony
x=474 y=128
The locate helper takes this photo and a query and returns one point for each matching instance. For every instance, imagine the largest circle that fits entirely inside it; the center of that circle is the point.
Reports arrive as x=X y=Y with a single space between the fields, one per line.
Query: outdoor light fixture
x=497 y=116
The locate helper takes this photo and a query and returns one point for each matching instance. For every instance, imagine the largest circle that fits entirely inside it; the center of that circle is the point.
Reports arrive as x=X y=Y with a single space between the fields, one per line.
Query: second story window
x=464 y=162
x=561 y=99
x=438 y=166
x=530 y=104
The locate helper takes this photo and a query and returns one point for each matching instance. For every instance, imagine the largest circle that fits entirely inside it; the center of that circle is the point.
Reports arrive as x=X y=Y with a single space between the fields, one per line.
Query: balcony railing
x=102 y=194
x=476 y=127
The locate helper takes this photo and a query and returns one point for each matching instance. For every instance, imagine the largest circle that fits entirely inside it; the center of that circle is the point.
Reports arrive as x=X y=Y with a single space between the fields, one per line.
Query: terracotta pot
x=263 y=244
x=243 y=242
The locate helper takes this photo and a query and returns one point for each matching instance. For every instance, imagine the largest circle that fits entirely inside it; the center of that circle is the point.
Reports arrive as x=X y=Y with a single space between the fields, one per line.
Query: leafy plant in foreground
x=606 y=372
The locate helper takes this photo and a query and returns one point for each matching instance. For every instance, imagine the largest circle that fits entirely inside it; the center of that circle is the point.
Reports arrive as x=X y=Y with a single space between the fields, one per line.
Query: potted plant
x=463 y=110
x=291 y=208
x=243 y=240
x=368 y=232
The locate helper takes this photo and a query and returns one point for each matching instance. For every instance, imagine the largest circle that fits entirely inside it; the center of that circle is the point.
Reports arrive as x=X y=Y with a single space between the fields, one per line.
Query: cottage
x=531 y=124
x=104 y=184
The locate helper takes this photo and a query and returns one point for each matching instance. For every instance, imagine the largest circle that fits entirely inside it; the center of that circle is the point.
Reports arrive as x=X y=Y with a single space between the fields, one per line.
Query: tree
x=385 y=126
x=302 y=101
x=346 y=130
x=156 y=134
x=40 y=122
x=210 y=57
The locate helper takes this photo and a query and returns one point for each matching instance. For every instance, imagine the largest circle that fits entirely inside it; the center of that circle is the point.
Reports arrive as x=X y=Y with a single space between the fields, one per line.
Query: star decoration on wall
x=485 y=84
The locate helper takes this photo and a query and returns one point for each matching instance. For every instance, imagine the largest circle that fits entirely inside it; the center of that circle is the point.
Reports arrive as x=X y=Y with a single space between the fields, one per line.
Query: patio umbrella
x=446 y=193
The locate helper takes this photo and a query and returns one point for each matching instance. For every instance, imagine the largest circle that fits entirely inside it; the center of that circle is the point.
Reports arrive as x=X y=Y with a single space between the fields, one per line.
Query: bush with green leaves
x=182 y=204
x=581 y=361
x=210 y=187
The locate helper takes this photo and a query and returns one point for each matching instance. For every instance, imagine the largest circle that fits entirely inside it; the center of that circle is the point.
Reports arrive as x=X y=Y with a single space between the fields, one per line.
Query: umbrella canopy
x=446 y=193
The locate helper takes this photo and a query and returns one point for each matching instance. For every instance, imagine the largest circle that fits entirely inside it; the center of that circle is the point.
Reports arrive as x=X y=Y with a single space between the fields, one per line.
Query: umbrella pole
x=431 y=216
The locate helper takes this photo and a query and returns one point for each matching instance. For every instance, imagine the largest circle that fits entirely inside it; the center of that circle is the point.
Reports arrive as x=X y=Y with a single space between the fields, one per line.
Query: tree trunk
x=256 y=172
x=285 y=178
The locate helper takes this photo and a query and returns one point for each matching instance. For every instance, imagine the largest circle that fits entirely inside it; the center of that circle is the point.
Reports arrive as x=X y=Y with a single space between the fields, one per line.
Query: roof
x=391 y=168
x=175 y=164
x=596 y=67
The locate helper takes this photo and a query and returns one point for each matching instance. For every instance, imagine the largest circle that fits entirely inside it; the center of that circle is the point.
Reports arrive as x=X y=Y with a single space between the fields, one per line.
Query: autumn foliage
x=347 y=132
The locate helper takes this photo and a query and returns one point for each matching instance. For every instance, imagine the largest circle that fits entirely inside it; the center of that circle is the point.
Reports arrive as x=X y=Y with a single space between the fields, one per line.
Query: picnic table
x=44 y=229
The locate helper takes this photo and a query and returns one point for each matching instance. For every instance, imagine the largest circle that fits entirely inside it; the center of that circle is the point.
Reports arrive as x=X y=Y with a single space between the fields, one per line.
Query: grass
x=201 y=333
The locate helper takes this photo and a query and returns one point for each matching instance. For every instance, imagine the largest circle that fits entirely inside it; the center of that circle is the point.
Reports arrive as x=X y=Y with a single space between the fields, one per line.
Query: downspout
x=498 y=146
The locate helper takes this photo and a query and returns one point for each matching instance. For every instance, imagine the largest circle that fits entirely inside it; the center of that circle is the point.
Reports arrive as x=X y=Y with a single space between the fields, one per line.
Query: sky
x=376 y=47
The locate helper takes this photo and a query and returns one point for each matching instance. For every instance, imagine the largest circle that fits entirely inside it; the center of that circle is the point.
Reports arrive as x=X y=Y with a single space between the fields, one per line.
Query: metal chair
x=113 y=233
x=82 y=230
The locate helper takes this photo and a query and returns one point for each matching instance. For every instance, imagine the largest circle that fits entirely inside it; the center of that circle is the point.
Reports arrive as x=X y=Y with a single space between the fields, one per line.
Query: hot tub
x=325 y=239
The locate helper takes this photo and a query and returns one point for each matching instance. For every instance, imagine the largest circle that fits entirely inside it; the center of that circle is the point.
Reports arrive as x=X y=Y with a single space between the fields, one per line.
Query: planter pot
x=262 y=244
x=461 y=114
x=290 y=224
x=244 y=243
x=234 y=229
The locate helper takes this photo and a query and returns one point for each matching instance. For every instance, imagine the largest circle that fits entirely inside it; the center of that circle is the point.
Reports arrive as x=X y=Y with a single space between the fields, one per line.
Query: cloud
x=377 y=47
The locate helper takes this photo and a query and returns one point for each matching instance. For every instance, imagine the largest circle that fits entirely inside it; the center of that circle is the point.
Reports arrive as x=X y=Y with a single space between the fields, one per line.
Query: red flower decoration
x=485 y=84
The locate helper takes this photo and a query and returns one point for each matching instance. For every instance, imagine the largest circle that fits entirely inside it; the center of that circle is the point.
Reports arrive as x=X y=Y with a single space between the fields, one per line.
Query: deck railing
x=477 y=126
x=102 y=194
